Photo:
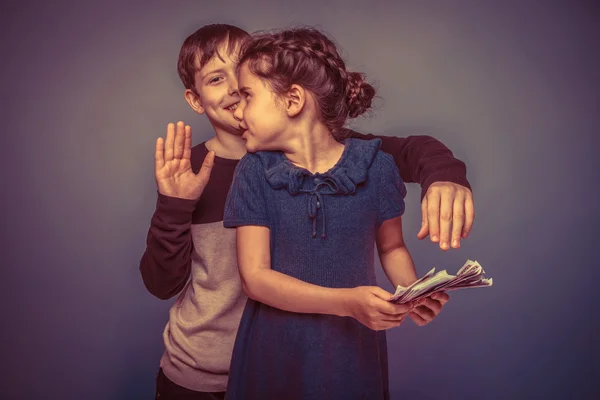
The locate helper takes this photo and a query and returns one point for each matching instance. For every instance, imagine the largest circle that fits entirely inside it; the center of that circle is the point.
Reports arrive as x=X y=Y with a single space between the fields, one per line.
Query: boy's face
x=264 y=119
x=217 y=86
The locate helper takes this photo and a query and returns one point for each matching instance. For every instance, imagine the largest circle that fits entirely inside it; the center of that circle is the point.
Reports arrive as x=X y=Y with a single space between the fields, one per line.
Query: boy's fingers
x=169 y=142
x=446 y=204
x=159 y=160
x=469 y=214
x=458 y=219
x=433 y=215
x=206 y=168
x=424 y=222
x=179 y=142
x=187 y=144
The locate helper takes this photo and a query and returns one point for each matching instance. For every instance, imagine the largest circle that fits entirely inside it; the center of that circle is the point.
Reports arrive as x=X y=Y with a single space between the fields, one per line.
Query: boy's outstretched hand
x=447 y=204
x=426 y=309
x=172 y=166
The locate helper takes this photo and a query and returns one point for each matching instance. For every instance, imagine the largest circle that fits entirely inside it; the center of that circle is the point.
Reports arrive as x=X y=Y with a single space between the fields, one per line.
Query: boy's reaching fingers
x=424 y=221
x=446 y=205
x=458 y=219
x=469 y=214
x=433 y=215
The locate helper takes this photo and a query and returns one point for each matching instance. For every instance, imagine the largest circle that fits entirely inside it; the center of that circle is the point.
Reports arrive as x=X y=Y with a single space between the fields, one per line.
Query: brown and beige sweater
x=190 y=253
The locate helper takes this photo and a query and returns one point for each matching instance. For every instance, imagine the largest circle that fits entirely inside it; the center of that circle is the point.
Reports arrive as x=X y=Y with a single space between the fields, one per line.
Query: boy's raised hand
x=172 y=166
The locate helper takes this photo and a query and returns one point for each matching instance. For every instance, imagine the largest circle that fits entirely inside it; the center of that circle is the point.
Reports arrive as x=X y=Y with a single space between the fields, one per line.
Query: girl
x=307 y=218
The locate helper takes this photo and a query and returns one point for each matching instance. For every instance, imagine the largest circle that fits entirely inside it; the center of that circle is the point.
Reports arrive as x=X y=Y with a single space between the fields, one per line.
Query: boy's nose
x=233 y=86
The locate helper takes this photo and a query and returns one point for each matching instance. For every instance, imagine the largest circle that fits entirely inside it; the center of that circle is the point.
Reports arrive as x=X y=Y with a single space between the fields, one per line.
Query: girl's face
x=263 y=115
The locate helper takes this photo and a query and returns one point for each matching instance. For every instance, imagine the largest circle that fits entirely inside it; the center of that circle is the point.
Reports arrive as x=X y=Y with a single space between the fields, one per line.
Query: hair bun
x=359 y=94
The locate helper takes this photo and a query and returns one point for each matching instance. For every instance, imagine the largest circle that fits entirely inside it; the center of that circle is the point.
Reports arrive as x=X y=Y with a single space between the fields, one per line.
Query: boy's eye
x=215 y=79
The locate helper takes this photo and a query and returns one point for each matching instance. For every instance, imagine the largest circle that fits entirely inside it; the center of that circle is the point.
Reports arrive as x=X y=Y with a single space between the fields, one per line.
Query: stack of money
x=469 y=276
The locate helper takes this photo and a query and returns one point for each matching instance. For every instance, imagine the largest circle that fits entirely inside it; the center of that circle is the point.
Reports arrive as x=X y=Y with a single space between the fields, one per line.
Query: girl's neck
x=314 y=149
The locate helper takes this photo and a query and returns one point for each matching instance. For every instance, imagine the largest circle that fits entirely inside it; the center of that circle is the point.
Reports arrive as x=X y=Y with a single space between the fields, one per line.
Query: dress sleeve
x=246 y=203
x=391 y=189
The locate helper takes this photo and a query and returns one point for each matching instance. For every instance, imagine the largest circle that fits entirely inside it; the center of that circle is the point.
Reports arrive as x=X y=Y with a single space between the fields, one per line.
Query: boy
x=191 y=253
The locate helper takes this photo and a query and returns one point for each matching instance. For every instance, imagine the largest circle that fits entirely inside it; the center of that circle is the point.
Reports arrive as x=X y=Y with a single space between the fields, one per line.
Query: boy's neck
x=227 y=145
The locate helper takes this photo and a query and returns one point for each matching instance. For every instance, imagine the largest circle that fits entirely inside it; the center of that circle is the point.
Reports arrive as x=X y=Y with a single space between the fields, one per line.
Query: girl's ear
x=295 y=100
x=194 y=101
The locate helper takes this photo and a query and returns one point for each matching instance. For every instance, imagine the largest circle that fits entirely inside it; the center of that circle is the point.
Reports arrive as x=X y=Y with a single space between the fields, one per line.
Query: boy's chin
x=235 y=130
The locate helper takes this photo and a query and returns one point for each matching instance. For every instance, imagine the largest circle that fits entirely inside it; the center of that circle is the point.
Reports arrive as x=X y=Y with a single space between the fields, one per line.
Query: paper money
x=470 y=275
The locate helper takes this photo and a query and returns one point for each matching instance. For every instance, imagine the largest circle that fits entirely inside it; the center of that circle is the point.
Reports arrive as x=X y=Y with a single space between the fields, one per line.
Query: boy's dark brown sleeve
x=421 y=159
x=166 y=263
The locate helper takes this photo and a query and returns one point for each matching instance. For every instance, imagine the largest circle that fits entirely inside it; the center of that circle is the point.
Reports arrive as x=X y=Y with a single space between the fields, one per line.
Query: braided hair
x=308 y=58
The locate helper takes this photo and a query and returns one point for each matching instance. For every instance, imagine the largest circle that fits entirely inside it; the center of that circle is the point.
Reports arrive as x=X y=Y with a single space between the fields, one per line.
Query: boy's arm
x=421 y=159
x=446 y=198
x=166 y=264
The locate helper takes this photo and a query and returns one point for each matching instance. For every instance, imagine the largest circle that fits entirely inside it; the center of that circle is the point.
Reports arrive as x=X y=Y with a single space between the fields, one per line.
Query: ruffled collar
x=343 y=178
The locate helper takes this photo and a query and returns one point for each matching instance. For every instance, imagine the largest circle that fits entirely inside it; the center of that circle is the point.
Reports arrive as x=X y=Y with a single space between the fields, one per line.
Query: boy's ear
x=194 y=101
x=295 y=100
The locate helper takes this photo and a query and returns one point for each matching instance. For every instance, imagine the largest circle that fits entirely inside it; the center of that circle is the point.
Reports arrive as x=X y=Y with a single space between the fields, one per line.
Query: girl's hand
x=428 y=308
x=369 y=305
x=172 y=166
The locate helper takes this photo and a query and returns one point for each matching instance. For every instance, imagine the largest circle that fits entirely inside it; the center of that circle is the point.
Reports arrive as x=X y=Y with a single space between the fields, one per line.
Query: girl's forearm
x=290 y=294
x=398 y=266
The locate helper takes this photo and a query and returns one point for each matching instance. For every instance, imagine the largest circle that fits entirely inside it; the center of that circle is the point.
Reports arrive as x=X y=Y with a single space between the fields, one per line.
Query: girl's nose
x=238 y=114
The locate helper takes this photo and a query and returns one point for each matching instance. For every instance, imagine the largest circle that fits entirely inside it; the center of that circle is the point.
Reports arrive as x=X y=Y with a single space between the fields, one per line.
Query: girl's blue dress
x=322 y=229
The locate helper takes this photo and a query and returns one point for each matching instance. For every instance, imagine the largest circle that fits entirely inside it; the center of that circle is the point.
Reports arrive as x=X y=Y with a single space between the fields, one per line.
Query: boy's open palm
x=172 y=166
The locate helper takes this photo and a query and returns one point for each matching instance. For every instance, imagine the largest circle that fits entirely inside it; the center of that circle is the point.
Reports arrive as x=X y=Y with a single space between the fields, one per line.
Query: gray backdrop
x=511 y=87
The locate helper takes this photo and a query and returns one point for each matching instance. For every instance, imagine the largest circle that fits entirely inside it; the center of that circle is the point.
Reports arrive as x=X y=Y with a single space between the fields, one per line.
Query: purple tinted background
x=511 y=87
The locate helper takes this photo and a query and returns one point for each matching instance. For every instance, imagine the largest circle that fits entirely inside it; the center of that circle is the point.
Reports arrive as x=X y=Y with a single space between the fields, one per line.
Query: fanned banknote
x=471 y=275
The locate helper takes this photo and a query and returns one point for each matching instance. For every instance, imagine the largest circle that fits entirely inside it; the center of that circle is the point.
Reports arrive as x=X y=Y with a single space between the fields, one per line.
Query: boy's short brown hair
x=202 y=45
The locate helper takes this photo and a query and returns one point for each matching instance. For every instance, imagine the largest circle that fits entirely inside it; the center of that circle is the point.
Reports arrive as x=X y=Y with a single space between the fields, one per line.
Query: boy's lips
x=232 y=106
